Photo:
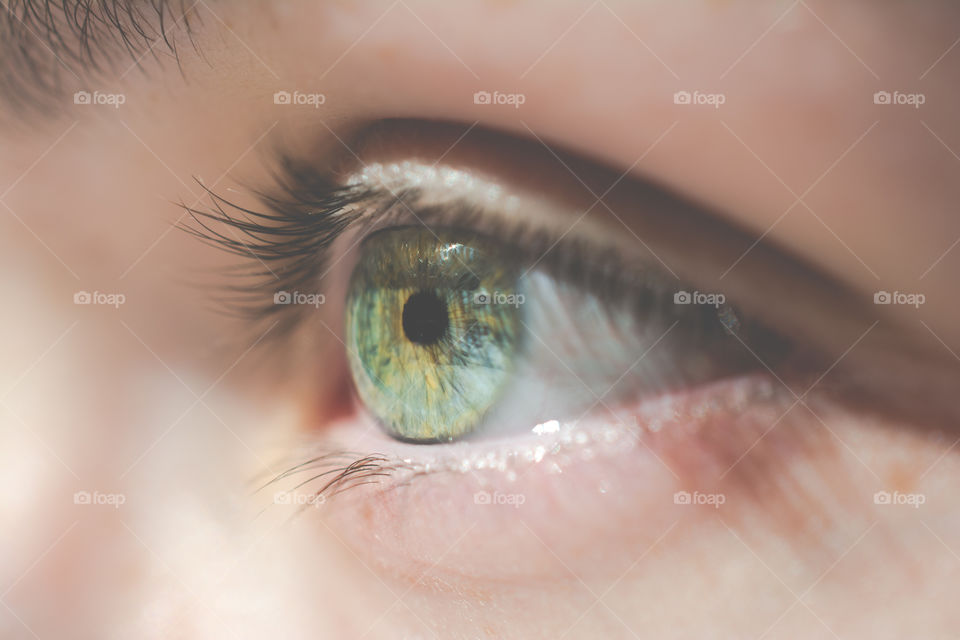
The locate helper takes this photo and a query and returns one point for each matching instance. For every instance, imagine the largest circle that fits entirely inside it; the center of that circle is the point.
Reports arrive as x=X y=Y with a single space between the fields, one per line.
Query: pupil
x=425 y=318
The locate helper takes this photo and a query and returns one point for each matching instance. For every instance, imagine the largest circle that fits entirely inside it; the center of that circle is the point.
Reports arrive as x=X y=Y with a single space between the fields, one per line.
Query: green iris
x=430 y=337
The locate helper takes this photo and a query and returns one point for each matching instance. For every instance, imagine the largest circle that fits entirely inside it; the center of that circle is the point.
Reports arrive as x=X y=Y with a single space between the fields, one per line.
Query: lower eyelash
x=329 y=471
x=333 y=473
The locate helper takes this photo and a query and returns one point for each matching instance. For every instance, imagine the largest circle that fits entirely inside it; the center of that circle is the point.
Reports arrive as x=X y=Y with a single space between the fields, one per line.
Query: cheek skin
x=798 y=499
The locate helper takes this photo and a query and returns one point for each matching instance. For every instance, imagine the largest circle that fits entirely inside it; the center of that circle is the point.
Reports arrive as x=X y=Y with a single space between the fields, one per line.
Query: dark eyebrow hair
x=49 y=46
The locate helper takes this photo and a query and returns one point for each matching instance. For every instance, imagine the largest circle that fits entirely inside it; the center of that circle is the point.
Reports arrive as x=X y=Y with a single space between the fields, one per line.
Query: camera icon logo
x=282 y=497
x=282 y=97
x=882 y=497
x=882 y=97
x=482 y=97
x=682 y=297
x=682 y=497
x=482 y=497
x=82 y=97
x=81 y=497
x=682 y=97
x=82 y=297
x=481 y=297
x=882 y=297
x=282 y=297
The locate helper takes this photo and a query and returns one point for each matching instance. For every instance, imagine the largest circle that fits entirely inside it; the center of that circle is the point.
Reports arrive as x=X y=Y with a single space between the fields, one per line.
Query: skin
x=166 y=403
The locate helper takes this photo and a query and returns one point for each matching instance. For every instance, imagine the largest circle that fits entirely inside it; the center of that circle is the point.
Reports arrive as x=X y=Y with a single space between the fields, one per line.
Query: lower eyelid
x=672 y=424
x=679 y=428
x=590 y=491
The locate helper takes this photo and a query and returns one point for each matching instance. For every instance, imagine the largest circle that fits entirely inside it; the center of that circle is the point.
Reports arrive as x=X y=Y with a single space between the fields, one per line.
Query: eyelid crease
x=686 y=236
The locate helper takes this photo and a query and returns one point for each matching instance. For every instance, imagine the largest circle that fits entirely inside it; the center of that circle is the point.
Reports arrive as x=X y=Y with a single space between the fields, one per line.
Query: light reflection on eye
x=575 y=341
x=467 y=339
x=429 y=358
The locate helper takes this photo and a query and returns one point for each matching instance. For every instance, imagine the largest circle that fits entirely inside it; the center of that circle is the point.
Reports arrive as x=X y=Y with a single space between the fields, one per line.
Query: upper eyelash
x=293 y=234
x=288 y=245
x=309 y=212
x=300 y=224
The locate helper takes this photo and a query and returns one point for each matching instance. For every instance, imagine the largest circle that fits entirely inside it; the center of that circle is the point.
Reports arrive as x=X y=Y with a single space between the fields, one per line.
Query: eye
x=429 y=354
x=453 y=335
x=495 y=332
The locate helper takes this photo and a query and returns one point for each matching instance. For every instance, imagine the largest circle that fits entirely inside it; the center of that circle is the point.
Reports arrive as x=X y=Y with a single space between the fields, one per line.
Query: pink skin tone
x=162 y=401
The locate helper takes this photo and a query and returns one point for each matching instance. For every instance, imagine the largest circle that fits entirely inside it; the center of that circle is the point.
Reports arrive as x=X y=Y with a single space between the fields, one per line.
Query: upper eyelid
x=311 y=199
x=689 y=236
x=312 y=213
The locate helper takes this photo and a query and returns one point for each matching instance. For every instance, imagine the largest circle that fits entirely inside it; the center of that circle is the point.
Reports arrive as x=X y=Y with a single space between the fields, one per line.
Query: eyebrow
x=50 y=47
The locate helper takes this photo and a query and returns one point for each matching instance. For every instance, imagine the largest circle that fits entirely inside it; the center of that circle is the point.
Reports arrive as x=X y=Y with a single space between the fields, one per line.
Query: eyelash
x=348 y=470
x=295 y=232
x=288 y=247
